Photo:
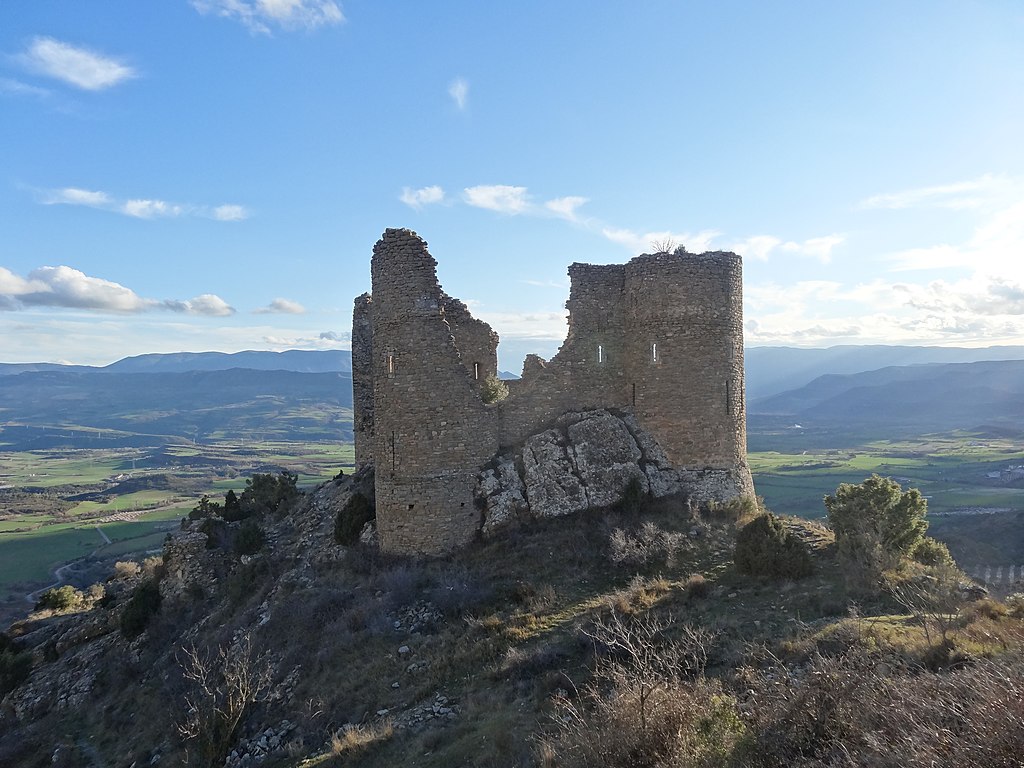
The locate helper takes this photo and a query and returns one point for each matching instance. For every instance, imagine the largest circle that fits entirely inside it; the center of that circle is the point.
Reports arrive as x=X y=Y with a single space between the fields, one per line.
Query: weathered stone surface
x=606 y=458
x=552 y=487
x=503 y=494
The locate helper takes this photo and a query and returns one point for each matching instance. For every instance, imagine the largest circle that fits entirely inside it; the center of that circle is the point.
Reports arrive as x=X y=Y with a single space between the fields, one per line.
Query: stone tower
x=429 y=431
x=659 y=338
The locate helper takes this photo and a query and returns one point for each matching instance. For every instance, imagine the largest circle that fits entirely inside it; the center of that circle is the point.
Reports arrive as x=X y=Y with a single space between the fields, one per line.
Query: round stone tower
x=684 y=348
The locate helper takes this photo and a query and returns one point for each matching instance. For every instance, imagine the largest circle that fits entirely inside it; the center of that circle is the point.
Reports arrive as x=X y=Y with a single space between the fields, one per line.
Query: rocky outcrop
x=587 y=461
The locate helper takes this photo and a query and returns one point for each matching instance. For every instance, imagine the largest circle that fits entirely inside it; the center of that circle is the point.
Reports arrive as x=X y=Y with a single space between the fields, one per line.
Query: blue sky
x=212 y=174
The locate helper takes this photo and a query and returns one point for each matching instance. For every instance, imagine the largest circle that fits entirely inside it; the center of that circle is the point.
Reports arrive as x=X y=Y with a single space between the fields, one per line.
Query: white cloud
x=417 y=198
x=761 y=247
x=995 y=247
x=79 y=67
x=258 y=15
x=139 y=208
x=566 y=207
x=75 y=196
x=207 y=305
x=458 y=89
x=344 y=336
x=70 y=288
x=281 y=307
x=18 y=88
x=498 y=197
x=230 y=213
x=961 y=194
x=646 y=242
x=150 y=209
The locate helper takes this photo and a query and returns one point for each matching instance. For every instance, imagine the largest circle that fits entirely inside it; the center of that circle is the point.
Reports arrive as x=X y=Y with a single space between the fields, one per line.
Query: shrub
x=204 y=509
x=929 y=551
x=697 y=587
x=63 y=598
x=15 y=664
x=650 y=545
x=232 y=508
x=764 y=547
x=737 y=509
x=266 y=493
x=351 y=518
x=493 y=390
x=250 y=538
x=876 y=515
x=126 y=569
x=141 y=606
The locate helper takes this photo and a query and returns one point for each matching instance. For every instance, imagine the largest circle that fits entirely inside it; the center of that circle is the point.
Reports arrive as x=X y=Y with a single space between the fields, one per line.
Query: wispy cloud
x=995 y=246
x=140 y=208
x=566 y=207
x=498 y=197
x=18 y=88
x=66 y=287
x=458 y=89
x=960 y=194
x=259 y=15
x=645 y=242
x=281 y=307
x=335 y=336
x=417 y=198
x=762 y=247
x=80 y=67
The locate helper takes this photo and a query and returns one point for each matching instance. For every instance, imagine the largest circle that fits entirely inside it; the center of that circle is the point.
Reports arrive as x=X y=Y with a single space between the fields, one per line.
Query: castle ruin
x=658 y=339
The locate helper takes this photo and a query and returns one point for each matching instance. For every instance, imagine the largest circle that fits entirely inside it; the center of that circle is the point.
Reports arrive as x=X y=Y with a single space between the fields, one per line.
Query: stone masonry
x=659 y=339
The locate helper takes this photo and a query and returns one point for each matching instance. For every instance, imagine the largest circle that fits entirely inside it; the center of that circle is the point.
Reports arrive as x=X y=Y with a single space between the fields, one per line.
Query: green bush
x=876 y=516
x=15 y=664
x=764 y=547
x=204 y=509
x=250 y=538
x=266 y=493
x=493 y=390
x=232 y=508
x=929 y=551
x=351 y=518
x=60 y=599
x=141 y=606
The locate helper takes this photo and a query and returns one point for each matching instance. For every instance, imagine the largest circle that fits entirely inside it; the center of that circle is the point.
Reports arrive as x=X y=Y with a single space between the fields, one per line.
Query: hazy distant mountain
x=299 y=360
x=933 y=397
x=11 y=369
x=193 y=404
x=770 y=370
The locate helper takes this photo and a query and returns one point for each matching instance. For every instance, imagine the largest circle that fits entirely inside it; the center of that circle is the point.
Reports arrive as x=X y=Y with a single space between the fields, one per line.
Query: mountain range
x=306 y=394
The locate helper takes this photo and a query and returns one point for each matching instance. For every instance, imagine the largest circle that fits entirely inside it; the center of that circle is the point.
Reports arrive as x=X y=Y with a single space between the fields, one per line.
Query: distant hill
x=929 y=397
x=227 y=404
x=771 y=370
x=298 y=360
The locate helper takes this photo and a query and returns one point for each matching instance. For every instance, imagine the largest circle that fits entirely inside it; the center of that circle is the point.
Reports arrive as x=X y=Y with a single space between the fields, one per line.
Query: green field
x=33 y=544
x=951 y=471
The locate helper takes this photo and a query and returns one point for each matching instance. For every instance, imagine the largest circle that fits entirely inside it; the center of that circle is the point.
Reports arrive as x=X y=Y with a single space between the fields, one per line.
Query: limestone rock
x=552 y=487
x=503 y=495
x=606 y=457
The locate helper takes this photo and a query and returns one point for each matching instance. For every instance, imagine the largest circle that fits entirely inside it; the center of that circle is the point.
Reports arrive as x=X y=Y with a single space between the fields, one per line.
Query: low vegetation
x=660 y=634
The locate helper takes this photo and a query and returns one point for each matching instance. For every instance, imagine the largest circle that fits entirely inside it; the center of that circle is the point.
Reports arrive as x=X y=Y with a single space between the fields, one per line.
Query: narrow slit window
x=476 y=370
x=654 y=352
x=634 y=394
x=391 y=365
x=600 y=353
x=728 y=397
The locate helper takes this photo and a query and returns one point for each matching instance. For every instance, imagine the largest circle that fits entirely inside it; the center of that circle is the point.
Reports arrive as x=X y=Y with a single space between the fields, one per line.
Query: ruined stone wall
x=476 y=342
x=432 y=432
x=362 y=379
x=588 y=372
x=659 y=339
x=684 y=330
